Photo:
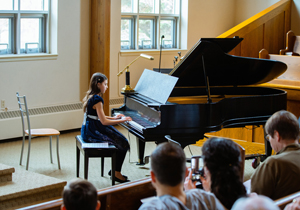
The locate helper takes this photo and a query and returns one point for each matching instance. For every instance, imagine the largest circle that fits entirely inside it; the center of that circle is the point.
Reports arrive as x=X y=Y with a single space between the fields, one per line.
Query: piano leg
x=141 y=150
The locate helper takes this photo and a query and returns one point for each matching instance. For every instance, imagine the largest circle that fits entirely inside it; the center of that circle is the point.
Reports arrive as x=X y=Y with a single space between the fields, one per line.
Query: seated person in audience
x=222 y=167
x=257 y=202
x=80 y=195
x=168 y=171
x=295 y=205
x=278 y=175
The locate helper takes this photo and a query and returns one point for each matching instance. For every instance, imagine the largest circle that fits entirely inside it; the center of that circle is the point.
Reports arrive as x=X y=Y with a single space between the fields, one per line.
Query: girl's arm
x=119 y=116
x=104 y=120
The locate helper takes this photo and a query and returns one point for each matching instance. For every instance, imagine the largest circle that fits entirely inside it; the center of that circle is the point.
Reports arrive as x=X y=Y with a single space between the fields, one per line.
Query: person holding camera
x=221 y=171
x=168 y=171
x=278 y=175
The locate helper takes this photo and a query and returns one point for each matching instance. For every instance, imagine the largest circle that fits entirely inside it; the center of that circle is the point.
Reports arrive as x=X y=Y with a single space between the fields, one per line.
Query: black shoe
x=121 y=181
x=109 y=174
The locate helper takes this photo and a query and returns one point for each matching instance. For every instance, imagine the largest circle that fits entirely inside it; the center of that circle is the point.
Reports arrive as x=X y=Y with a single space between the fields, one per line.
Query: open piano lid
x=221 y=68
x=156 y=86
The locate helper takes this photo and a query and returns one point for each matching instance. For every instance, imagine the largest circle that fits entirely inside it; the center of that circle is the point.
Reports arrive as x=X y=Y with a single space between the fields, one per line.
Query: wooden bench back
x=292 y=44
x=123 y=196
x=292 y=74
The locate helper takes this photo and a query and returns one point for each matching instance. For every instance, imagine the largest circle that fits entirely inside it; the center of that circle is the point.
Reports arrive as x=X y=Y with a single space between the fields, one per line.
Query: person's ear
x=98 y=205
x=186 y=171
x=153 y=178
x=276 y=136
x=62 y=207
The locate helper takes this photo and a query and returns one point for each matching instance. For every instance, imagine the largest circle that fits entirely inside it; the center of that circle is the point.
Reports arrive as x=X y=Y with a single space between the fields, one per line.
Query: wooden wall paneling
x=253 y=42
x=259 y=19
x=237 y=50
x=100 y=42
x=274 y=34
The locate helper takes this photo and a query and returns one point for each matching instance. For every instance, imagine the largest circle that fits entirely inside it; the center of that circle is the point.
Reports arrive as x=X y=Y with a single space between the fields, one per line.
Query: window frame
x=132 y=31
x=157 y=16
x=16 y=14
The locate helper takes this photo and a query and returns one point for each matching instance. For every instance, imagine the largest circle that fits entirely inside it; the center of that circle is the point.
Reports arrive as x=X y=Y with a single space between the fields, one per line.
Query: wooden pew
x=292 y=44
x=122 y=196
x=288 y=81
x=282 y=202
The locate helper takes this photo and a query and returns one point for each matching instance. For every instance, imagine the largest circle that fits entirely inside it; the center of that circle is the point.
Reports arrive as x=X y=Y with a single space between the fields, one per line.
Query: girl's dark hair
x=96 y=78
x=223 y=160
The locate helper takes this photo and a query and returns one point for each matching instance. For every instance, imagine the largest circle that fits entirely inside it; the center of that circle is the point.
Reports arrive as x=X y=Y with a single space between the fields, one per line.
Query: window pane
x=6 y=4
x=167 y=29
x=125 y=34
x=31 y=4
x=46 y=5
x=126 y=6
x=145 y=34
x=16 y=7
x=30 y=33
x=4 y=36
x=146 y=6
x=167 y=6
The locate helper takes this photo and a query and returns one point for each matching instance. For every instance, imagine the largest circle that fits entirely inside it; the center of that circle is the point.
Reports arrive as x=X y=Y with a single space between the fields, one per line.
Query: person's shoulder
x=207 y=199
x=153 y=204
x=199 y=192
x=96 y=98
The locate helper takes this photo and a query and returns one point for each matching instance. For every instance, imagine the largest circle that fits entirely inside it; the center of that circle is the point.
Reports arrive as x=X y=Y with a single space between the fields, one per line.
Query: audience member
x=168 y=171
x=80 y=195
x=278 y=175
x=222 y=167
x=258 y=202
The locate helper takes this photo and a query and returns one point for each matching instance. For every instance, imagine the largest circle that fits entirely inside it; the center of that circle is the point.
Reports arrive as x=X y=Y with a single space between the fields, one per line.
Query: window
x=24 y=26
x=145 y=22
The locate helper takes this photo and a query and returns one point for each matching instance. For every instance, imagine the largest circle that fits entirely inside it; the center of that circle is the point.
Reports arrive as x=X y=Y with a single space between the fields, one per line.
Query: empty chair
x=35 y=132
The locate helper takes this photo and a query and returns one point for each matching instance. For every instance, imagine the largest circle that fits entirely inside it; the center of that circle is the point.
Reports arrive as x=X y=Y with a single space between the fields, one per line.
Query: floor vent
x=42 y=110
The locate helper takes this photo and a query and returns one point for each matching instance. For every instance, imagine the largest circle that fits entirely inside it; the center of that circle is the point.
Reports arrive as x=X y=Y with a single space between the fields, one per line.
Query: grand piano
x=207 y=90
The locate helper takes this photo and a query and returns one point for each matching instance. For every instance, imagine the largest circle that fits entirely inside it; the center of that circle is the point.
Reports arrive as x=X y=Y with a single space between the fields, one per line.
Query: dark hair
x=285 y=123
x=222 y=158
x=80 y=194
x=168 y=164
x=96 y=78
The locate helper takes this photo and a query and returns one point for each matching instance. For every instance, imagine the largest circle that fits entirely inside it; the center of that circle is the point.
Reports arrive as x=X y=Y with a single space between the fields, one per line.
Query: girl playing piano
x=98 y=128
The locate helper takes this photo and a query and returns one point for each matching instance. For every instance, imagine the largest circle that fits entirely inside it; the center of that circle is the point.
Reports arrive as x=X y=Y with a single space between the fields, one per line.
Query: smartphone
x=197 y=168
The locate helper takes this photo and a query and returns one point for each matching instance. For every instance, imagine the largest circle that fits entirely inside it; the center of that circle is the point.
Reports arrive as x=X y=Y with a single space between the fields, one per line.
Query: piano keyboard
x=138 y=122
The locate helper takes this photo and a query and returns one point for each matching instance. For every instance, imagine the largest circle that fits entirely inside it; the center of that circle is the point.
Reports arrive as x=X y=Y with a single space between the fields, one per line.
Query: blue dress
x=93 y=130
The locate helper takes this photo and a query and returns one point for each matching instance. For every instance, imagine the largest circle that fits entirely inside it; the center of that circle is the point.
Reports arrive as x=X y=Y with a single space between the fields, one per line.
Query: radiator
x=61 y=117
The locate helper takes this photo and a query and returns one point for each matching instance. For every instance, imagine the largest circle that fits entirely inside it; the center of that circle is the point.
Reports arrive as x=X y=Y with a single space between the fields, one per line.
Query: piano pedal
x=147 y=159
x=256 y=162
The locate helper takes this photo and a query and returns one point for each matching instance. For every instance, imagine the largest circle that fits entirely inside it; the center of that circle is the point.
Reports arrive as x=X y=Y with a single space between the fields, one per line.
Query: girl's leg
x=120 y=159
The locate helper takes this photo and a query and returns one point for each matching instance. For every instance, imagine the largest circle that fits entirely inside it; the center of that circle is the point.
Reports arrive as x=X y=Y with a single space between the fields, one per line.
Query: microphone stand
x=160 y=52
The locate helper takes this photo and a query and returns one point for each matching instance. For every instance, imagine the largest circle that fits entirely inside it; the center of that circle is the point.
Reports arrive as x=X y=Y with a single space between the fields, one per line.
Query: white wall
x=53 y=82
x=248 y=8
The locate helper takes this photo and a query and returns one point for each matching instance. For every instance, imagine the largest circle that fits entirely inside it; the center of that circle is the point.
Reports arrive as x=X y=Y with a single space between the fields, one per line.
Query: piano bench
x=90 y=150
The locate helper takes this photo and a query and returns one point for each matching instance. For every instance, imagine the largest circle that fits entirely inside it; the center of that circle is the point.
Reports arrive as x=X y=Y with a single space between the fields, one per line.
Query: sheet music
x=95 y=145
